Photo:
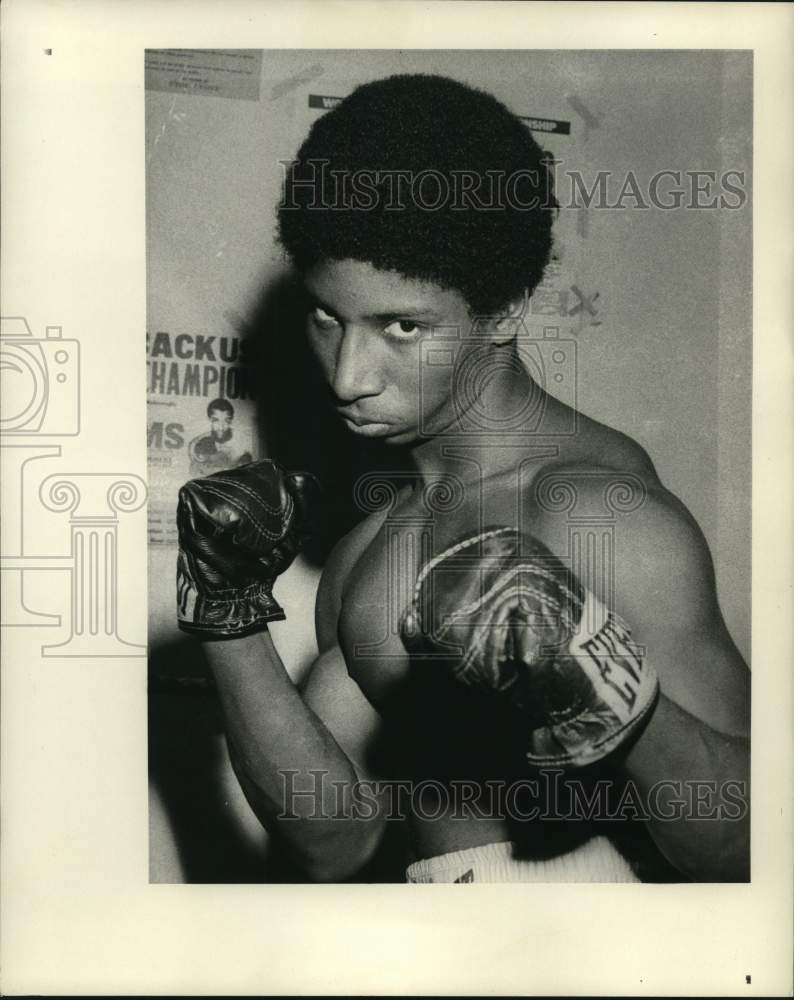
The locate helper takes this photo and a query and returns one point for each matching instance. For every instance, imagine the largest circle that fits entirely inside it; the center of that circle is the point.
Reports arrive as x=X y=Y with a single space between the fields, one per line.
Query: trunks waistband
x=596 y=860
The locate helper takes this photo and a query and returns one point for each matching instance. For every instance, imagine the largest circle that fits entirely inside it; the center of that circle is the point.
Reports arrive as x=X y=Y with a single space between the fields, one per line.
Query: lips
x=365 y=426
x=356 y=418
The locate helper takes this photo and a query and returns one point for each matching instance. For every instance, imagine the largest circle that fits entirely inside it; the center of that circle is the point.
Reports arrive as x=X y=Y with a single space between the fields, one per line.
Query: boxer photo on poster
x=217 y=449
x=482 y=613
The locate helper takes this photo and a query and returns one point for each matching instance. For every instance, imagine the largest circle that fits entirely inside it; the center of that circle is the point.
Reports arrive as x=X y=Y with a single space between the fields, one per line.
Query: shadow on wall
x=189 y=770
x=210 y=825
x=296 y=418
x=185 y=769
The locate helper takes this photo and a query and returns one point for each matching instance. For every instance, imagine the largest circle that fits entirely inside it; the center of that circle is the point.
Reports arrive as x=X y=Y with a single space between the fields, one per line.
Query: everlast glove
x=509 y=618
x=238 y=530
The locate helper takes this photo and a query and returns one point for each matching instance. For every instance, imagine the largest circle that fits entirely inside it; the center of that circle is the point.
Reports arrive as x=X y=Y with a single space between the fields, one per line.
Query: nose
x=356 y=372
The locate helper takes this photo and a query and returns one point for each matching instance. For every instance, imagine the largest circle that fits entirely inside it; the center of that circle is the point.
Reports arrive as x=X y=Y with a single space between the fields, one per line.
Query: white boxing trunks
x=596 y=860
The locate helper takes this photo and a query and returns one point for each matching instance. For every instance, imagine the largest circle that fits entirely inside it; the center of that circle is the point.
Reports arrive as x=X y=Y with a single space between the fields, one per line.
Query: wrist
x=225 y=612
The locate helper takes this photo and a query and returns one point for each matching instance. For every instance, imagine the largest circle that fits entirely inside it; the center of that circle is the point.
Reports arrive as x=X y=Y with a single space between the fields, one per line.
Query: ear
x=505 y=326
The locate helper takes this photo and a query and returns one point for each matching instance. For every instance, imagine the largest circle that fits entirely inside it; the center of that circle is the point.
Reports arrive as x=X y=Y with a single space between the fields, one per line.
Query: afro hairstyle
x=490 y=251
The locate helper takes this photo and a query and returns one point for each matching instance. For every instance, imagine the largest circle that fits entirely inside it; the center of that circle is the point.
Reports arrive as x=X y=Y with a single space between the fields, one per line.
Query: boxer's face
x=220 y=425
x=369 y=331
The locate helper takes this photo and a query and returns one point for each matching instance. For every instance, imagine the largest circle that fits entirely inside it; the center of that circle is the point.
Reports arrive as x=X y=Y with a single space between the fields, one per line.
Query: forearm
x=290 y=768
x=695 y=781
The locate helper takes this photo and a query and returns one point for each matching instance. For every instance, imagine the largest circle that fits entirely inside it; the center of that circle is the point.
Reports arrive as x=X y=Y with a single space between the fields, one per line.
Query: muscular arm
x=691 y=762
x=695 y=779
x=698 y=740
x=278 y=736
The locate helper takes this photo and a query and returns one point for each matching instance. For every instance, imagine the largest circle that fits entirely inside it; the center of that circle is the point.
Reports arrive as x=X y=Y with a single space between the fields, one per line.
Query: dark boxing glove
x=509 y=618
x=238 y=530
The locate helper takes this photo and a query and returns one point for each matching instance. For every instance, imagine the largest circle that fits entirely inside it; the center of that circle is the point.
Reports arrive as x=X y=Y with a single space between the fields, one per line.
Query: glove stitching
x=244 y=510
x=277 y=509
x=235 y=593
x=532 y=567
x=447 y=553
x=230 y=631
x=517 y=590
x=272 y=536
x=283 y=512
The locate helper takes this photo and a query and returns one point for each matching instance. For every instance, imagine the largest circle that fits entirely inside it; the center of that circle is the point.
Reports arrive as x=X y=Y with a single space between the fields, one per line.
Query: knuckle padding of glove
x=246 y=511
x=217 y=551
x=511 y=619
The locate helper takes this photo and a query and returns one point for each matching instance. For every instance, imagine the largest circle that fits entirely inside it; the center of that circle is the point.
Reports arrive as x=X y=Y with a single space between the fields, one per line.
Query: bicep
x=326 y=609
x=329 y=593
x=668 y=596
x=337 y=701
x=701 y=672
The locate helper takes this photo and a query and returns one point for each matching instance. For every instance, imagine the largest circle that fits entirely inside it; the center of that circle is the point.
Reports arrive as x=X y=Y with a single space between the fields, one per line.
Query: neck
x=482 y=440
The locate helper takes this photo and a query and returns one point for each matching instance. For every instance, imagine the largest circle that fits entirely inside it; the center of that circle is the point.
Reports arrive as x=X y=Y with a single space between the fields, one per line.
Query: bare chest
x=380 y=585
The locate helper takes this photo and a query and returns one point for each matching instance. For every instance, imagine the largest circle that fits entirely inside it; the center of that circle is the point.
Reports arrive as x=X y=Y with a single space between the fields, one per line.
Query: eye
x=322 y=319
x=404 y=329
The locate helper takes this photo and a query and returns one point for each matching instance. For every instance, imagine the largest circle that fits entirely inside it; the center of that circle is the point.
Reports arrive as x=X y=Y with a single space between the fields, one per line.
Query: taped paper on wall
x=235 y=73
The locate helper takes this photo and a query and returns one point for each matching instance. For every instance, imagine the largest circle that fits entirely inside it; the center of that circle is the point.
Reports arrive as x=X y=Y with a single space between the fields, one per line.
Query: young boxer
x=527 y=679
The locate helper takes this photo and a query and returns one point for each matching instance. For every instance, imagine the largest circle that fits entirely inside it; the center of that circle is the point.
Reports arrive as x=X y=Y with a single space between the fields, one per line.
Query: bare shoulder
x=603 y=447
x=652 y=536
x=638 y=547
x=344 y=556
x=626 y=501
